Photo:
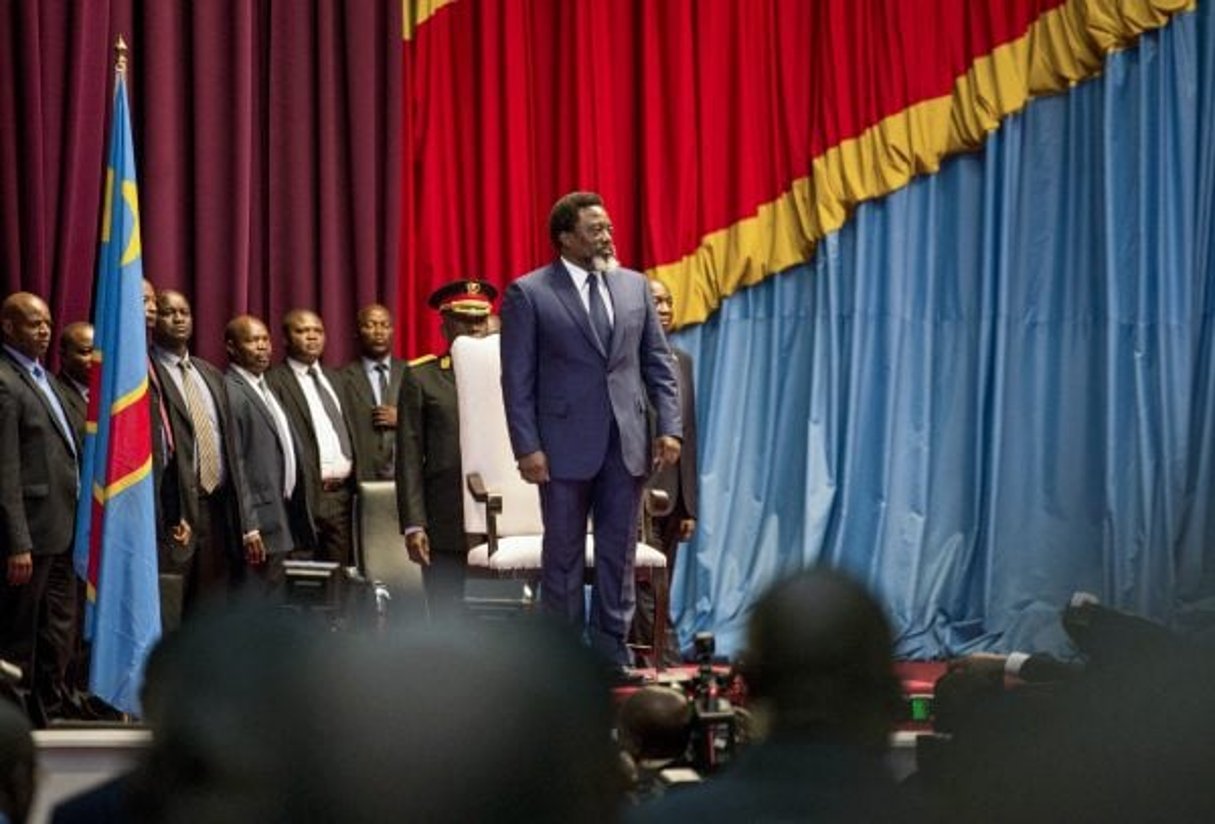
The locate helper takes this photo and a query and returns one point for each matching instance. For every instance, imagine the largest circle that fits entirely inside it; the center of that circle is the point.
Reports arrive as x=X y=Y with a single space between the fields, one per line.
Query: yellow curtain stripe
x=1061 y=48
x=416 y=12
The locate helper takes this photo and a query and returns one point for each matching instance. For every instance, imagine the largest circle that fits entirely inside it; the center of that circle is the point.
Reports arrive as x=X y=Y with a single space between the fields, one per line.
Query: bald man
x=268 y=448
x=311 y=395
x=203 y=493
x=372 y=382
x=75 y=363
x=39 y=476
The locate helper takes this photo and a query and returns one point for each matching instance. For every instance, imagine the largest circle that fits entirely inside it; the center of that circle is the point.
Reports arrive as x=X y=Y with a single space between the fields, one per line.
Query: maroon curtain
x=267 y=138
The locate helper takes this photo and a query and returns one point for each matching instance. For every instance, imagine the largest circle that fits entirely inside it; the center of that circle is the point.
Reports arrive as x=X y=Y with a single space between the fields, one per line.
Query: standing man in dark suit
x=39 y=480
x=75 y=363
x=582 y=351
x=203 y=489
x=267 y=449
x=430 y=483
x=679 y=482
x=372 y=383
x=311 y=398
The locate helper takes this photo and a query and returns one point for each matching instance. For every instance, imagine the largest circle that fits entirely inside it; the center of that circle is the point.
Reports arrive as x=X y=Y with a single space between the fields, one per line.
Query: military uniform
x=429 y=475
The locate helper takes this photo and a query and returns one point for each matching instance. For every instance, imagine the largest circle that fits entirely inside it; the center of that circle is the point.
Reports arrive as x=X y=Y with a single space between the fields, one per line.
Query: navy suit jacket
x=562 y=391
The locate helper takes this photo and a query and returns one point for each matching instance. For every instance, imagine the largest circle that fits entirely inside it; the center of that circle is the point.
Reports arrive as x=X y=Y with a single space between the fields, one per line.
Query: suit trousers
x=443 y=580
x=210 y=570
x=334 y=537
x=36 y=634
x=611 y=498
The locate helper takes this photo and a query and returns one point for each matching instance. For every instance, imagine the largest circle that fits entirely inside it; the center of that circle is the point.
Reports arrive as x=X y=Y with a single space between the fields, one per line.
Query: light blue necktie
x=44 y=386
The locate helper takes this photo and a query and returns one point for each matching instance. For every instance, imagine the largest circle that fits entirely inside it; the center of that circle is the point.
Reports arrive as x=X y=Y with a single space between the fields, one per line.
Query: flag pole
x=120 y=55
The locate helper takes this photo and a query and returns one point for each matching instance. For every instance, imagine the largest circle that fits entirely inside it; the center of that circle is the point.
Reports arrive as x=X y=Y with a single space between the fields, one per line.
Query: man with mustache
x=582 y=352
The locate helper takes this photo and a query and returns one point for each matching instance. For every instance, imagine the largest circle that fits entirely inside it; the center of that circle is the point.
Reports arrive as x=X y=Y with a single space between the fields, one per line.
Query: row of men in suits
x=261 y=462
x=250 y=465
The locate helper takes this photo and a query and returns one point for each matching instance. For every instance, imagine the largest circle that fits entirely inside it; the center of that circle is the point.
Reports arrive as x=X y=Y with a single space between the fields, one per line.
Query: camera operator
x=654 y=730
x=818 y=663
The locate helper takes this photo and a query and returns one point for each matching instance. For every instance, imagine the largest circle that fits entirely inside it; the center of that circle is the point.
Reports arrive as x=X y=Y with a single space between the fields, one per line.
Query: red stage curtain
x=268 y=141
x=727 y=136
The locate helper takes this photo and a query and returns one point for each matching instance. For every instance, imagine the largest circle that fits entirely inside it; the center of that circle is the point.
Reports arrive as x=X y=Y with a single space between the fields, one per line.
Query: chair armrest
x=493 y=507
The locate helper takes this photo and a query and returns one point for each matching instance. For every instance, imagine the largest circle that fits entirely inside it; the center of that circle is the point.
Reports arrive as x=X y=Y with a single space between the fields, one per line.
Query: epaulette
x=423 y=359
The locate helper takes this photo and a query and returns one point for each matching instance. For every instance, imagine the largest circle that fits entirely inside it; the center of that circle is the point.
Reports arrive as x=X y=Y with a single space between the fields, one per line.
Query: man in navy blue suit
x=582 y=350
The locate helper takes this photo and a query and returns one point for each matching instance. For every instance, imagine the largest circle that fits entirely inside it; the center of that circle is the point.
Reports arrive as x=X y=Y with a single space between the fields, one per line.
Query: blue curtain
x=990 y=389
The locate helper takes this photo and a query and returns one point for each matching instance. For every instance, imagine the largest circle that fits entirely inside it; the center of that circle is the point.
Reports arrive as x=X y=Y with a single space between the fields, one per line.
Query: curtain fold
x=267 y=135
x=989 y=389
x=727 y=136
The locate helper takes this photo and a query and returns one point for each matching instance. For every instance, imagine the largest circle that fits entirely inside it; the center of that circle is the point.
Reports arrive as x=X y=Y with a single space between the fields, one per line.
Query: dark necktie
x=331 y=410
x=381 y=371
x=599 y=316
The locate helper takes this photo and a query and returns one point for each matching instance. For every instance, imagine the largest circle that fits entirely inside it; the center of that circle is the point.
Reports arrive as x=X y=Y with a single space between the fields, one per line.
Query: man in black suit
x=372 y=383
x=75 y=363
x=203 y=488
x=679 y=482
x=268 y=451
x=39 y=479
x=311 y=397
x=430 y=485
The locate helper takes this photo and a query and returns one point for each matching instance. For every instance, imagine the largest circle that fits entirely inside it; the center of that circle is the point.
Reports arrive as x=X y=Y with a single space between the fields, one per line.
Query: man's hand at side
x=534 y=467
x=666 y=451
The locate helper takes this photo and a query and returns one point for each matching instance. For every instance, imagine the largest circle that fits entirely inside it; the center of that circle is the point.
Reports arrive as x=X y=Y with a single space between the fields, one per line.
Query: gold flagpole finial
x=120 y=55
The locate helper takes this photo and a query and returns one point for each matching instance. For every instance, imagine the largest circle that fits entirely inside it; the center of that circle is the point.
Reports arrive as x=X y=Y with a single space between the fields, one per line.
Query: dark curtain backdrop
x=267 y=138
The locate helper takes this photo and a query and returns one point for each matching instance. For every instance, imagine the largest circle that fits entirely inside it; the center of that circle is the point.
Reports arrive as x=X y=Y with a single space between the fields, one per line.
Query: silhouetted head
x=479 y=722
x=819 y=657
x=17 y=763
x=655 y=724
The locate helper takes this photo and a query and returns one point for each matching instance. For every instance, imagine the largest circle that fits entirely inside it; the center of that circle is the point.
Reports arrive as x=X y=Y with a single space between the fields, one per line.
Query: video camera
x=715 y=719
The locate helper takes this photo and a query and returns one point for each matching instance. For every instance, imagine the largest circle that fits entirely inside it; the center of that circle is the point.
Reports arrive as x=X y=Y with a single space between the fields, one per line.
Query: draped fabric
x=727 y=136
x=267 y=135
x=990 y=389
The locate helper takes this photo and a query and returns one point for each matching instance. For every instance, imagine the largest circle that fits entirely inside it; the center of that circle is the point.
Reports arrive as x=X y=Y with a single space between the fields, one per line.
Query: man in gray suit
x=582 y=351
x=266 y=446
x=39 y=477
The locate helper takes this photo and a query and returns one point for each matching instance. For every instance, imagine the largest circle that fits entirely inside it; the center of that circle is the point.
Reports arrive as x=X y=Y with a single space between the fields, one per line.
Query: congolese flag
x=115 y=548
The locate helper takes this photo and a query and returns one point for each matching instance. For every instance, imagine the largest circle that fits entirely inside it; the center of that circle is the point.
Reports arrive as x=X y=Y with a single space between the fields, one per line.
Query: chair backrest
x=381 y=547
x=485 y=441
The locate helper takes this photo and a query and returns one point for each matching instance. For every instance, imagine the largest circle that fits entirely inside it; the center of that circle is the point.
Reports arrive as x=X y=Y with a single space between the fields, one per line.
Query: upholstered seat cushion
x=522 y=552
